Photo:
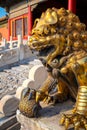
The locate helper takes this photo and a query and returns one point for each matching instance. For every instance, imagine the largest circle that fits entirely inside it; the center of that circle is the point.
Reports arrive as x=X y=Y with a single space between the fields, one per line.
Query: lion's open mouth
x=46 y=51
x=43 y=53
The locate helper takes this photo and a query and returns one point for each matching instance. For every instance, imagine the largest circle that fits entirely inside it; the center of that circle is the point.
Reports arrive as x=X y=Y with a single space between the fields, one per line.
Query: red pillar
x=72 y=5
x=29 y=20
x=8 y=29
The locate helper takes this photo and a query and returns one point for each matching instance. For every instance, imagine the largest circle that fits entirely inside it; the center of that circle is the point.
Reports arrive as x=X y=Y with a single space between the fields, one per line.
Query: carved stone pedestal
x=49 y=117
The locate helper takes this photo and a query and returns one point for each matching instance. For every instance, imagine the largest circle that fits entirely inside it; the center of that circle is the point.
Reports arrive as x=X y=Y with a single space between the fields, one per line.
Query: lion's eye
x=53 y=30
x=46 y=30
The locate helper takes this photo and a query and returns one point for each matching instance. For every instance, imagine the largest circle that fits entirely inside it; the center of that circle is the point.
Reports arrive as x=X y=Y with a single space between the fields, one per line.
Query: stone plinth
x=38 y=74
x=8 y=105
x=49 y=117
x=27 y=83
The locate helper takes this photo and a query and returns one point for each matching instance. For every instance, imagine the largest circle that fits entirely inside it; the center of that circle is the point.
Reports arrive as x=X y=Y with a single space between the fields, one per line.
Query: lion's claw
x=77 y=120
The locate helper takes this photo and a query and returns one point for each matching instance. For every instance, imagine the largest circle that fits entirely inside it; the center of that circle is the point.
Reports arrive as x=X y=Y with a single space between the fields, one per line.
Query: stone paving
x=13 y=77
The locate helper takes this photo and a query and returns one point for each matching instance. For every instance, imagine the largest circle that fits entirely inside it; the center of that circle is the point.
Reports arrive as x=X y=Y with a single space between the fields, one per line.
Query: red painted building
x=3 y=27
x=22 y=13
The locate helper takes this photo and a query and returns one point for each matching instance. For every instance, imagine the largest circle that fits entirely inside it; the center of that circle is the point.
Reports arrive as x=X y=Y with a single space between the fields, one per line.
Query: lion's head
x=57 y=33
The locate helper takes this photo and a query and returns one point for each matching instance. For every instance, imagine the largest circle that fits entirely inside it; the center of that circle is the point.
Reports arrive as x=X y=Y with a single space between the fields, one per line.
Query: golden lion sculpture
x=61 y=40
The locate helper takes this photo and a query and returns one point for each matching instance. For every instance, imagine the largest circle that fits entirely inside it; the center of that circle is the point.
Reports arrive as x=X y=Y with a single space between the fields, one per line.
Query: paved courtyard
x=11 y=78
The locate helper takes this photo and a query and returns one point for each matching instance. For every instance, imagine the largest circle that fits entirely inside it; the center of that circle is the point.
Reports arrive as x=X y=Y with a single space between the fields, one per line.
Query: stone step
x=16 y=126
x=6 y=122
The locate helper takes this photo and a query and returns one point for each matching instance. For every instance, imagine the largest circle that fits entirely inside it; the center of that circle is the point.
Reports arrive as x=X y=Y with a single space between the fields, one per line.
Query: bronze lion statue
x=61 y=41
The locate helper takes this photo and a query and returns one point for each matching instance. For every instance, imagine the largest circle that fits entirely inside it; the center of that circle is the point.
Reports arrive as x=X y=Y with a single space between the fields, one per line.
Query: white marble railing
x=15 y=52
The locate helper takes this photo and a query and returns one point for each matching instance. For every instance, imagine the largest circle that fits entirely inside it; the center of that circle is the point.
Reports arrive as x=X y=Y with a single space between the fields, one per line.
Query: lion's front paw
x=77 y=120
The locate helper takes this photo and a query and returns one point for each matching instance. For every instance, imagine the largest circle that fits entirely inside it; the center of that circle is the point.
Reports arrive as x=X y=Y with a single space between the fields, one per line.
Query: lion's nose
x=30 y=40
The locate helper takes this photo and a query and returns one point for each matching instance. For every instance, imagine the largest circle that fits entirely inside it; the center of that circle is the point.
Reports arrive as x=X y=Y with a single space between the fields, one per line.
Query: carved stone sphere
x=29 y=108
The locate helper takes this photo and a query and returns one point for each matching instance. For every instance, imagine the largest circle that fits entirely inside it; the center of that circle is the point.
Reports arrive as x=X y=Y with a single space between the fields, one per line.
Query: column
x=21 y=47
x=72 y=5
x=11 y=44
x=29 y=20
x=8 y=29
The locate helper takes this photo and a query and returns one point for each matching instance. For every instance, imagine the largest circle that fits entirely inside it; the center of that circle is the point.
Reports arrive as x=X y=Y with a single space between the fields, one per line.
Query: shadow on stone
x=52 y=110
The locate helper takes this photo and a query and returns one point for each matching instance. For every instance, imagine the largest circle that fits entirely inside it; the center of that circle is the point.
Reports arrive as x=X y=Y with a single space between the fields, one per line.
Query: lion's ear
x=51 y=17
x=35 y=22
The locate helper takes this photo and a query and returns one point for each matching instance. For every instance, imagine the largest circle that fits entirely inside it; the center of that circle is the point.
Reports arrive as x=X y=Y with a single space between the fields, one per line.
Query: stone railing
x=14 y=54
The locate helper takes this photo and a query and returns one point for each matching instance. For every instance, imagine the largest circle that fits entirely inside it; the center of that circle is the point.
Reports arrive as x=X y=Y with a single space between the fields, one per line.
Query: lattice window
x=19 y=26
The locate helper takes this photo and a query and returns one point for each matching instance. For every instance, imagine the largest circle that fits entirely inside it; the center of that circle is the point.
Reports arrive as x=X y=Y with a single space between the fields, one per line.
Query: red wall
x=4 y=32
